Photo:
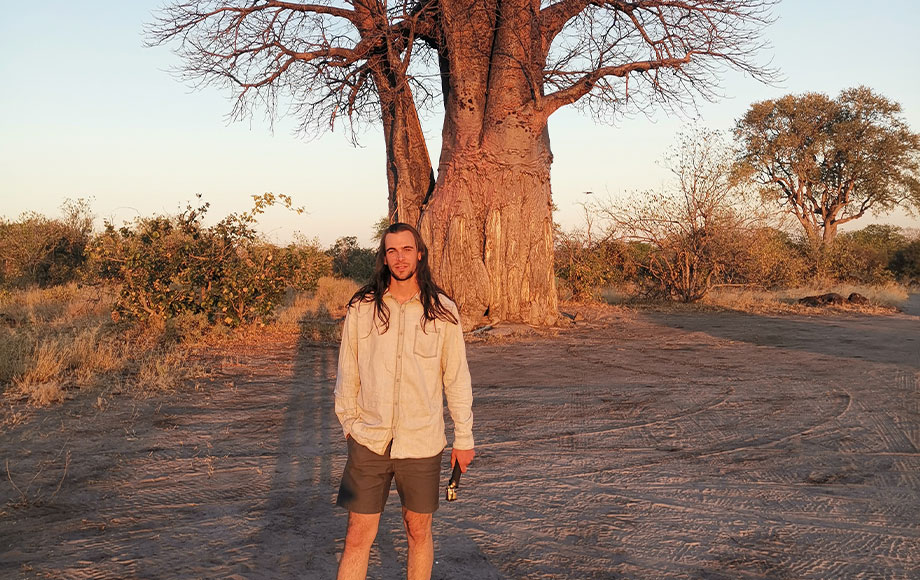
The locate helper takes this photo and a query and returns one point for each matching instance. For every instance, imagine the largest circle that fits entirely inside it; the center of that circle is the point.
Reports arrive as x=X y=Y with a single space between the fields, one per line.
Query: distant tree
x=905 y=264
x=380 y=228
x=865 y=255
x=830 y=161
x=500 y=68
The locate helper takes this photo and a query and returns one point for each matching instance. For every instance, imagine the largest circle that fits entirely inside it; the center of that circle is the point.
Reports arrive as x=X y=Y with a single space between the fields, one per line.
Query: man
x=402 y=347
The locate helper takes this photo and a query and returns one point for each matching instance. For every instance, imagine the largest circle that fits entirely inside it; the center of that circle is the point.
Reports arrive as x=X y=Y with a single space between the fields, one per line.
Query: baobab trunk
x=410 y=178
x=490 y=234
x=488 y=222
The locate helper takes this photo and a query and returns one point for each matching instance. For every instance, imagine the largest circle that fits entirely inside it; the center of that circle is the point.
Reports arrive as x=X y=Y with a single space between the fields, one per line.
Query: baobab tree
x=499 y=69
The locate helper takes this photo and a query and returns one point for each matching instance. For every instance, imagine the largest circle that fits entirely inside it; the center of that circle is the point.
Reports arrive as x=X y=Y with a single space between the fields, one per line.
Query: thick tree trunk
x=490 y=236
x=488 y=223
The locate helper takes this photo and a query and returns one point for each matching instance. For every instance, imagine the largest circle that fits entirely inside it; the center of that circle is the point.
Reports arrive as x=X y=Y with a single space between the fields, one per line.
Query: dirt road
x=636 y=445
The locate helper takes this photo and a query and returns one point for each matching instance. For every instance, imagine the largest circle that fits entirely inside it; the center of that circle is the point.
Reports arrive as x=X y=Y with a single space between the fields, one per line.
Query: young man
x=402 y=347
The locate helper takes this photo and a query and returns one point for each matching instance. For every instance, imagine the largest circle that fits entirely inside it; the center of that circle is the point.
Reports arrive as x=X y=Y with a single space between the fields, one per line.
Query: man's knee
x=418 y=526
x=362 y=529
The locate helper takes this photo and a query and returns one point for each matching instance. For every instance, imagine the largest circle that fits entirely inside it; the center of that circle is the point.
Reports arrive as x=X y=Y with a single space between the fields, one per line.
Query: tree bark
x=410 y=177
x=490 y=237
x=829 y=233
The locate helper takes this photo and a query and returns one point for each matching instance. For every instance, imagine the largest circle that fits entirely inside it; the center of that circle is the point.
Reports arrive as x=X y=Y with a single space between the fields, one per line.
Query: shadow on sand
x=301 y=515
x=891 y=339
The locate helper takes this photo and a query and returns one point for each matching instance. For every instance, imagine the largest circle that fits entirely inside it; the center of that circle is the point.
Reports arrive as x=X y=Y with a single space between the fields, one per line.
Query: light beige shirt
x=389 y=386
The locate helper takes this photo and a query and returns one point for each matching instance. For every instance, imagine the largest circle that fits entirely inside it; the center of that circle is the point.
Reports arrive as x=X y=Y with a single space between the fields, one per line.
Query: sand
x=632 y=445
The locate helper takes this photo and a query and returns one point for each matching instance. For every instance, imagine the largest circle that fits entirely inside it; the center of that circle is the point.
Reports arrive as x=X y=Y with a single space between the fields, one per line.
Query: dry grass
x=618 y=294
x=882 y=298
x=56 y=338
x=163 y=370
x=63 y=338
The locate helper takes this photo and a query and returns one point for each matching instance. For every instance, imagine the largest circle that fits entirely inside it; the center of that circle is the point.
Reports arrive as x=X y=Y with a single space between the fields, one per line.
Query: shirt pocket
x=427 y=343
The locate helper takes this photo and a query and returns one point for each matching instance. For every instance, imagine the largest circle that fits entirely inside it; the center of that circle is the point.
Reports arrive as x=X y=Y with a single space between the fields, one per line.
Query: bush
x=174 y=266
x=765 y=257
x=583 y=266
x=36 y=250
x=865 y=256
x=308 y=264
x=905 y=264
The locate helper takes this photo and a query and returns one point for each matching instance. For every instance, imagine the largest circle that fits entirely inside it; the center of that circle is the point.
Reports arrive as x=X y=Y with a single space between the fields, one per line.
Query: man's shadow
x=303 y=531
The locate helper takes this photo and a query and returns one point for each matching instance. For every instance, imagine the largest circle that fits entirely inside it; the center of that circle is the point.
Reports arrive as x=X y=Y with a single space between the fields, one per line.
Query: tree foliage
x=830 y=161
x=905 y=264
x=350 y=260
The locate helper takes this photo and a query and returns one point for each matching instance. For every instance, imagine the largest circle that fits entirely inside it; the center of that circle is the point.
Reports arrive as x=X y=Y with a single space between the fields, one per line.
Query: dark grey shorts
x=367 y=478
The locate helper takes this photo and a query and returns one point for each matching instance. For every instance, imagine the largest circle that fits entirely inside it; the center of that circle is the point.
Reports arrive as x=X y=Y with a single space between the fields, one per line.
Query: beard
x=408 y=275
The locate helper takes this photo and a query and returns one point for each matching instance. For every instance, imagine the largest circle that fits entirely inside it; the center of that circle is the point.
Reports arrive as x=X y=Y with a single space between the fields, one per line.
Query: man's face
x=402 y=255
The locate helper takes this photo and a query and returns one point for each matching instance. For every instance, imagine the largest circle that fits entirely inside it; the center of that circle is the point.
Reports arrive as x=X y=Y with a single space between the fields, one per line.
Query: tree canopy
x=830 y=161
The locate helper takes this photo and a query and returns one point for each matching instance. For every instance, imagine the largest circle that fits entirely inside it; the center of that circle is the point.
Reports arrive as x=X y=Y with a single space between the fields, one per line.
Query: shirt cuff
x=463 y=442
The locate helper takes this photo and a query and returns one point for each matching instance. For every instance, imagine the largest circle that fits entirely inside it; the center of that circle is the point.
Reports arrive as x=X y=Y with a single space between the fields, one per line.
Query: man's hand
x=462 y=456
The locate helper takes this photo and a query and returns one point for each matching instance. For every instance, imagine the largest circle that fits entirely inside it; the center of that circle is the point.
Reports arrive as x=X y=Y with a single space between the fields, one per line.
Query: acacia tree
x=499 y=69
x=830 y=161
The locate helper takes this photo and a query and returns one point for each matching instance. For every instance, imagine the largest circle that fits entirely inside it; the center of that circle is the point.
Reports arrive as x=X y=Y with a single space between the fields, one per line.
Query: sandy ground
x=634 y=445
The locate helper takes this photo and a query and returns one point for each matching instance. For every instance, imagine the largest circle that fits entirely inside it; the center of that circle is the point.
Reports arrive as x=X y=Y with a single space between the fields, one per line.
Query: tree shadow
x=891 y=339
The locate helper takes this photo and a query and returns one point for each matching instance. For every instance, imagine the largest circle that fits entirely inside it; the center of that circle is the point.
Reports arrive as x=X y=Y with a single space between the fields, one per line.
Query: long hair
x=429 y=294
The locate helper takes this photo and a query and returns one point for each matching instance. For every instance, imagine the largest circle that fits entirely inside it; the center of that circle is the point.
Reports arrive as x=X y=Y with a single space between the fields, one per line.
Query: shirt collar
x=416 y=297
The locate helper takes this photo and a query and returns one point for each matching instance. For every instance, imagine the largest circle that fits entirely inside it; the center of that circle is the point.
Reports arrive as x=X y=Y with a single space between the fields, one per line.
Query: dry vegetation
x=318 y=315
x=125 y=311
x=59 y=339
x=883 y=298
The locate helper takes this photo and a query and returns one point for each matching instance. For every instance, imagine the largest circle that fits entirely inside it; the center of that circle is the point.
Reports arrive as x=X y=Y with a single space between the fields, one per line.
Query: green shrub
x=865 y=256
x=584 y=266
x=905 y=264
x=174 y=266
x=765 y=257
x=349 y=260
x=308 y=263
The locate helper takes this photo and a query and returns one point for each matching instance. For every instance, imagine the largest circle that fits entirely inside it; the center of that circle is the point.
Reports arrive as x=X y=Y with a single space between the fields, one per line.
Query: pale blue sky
x=87 y=111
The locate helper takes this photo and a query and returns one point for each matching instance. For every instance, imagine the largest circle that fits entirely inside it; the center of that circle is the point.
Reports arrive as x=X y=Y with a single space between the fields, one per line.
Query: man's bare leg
x=421 y=545
x=362 y=529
